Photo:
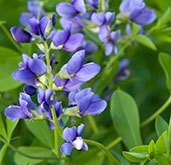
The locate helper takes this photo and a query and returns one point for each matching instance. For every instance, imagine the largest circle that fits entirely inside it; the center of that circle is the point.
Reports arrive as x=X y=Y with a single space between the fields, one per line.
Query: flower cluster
x=37 y=74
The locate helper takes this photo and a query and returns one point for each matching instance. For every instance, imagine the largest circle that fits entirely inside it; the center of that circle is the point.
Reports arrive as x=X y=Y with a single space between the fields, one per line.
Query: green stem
x=57 y=130
x=23 y=154
x=143 y=124
x=157 y=113
x=104 y=150
x=9 y=37
x=93 y=124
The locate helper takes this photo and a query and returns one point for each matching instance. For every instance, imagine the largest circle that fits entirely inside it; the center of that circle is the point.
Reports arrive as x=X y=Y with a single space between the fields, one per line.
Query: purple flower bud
x=73 y=140
x=30 y=90
x=143 y=17
x=90 y=47
x=20 y=35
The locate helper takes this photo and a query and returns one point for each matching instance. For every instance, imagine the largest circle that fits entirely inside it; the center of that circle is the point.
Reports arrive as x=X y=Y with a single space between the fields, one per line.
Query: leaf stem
x=9 y=37
x=93 y=124
x=158 y=112
x=104 y=150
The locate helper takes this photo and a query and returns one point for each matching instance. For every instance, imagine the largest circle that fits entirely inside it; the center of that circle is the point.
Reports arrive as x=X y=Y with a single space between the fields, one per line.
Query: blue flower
x=73 y=74
x=30 y=70
x=69 y=42
x=137 y=11
x=93 y=3
x=73 y=140
x=87 y=102
x=23 y=111
x=69 y=10
x=33 y=11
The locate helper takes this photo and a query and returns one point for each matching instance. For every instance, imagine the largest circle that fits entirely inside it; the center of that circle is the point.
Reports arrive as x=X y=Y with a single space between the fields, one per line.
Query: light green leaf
x=151 y=148
x=142 y=148
x=2 y=152
x=169 y=139
x=161 y=144
x=135 y=156
x=165 y=61
x=124 y=108
x=41 y=131
x=11 y=126
x=144 y=40
x=160 y=125
x=8 y=64
x=32 y=151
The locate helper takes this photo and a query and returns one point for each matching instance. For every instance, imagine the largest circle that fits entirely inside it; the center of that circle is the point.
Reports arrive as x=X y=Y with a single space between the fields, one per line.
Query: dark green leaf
x=8 y=64
x=124 y=108
x=34 y=152
x=41 y=131
x=160 y=125
x=2 y=128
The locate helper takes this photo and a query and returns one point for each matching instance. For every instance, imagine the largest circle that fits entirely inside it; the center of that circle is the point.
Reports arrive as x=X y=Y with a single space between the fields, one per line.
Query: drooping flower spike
x=73 y=139
x=73 y=74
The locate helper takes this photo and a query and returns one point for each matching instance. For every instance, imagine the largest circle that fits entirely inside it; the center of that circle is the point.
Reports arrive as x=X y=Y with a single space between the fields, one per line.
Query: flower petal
x=74 y=42
x=72 y=84
x=96 y=107
x=20 y=35
x=88 y=71
x=25 y=76
x=66 y=10
x=79 y=5
x=69 y=134
x=98 y=19
x=14 y=113
x=34 y=26
x=78 y=143
x=76 y=62
x=66 y=148
x=37 y=66
x=143 y=17
x=80 y=129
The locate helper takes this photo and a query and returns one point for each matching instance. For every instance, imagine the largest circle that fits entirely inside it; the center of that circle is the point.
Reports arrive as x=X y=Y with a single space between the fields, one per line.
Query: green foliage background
x=147 y=83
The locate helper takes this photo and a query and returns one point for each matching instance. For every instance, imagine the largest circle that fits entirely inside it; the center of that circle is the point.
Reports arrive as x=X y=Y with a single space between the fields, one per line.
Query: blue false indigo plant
x=65 y=90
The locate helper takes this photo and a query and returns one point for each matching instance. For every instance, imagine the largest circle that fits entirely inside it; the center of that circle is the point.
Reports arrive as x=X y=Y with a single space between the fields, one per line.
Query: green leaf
x=86 y=158
x=151 y=148
x=124 y=108
x=2 y=128
x=41 y=131
x=161 y=144
x=169 y=138
x=142 y=148
x=2 y=152
x=32 y=151
x=8 y=64
x=160 y=125
x=10 y=127
x=135 y=156
x=144 y=40
x=165 y=61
